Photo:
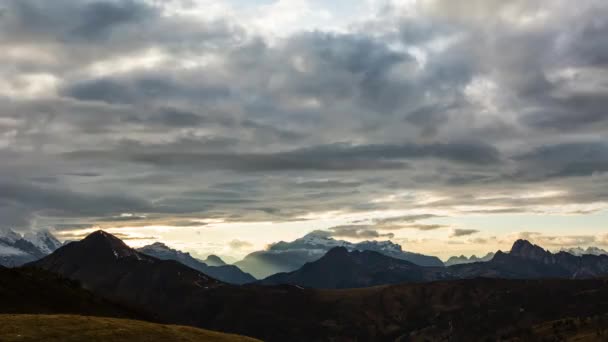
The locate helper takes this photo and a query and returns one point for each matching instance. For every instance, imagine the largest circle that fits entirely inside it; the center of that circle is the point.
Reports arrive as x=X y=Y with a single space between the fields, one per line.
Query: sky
x=447 y=126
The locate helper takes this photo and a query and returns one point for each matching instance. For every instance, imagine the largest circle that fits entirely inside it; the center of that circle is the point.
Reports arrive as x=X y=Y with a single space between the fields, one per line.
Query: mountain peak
x=106 y=242
x=337 y=251
x=159 y=244
x=525 y=249
x=44 y=240
x=214 y=260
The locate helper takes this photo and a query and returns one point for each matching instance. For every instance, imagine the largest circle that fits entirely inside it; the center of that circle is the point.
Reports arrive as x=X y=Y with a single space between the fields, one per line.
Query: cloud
x=457 y=232
x=239 y=244
x=358 y=232
x=555 y=241
x=26 y=201
x=108 y=107
x=336 y=157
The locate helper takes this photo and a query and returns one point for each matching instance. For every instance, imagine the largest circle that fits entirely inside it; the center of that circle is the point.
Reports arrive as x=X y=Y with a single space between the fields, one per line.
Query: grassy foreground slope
x=67 y=328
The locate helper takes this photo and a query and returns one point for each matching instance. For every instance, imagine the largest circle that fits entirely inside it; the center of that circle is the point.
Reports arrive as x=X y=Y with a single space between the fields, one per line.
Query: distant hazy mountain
x=340 y=268
x=289 y=256
x=455 y=260
x=227 y=273
x=17 y=249
x=578 y=251
x=214 y=260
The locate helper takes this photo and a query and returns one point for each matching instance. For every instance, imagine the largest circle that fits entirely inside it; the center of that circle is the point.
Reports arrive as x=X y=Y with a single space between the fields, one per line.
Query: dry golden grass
x=73 y=328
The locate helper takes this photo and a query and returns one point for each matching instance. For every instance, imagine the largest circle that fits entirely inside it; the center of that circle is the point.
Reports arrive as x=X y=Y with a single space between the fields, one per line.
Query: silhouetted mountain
x=529 y=261
x=16 y=250
x=456 y=260
x=226 y=273
x=289 y=256
x=214 y=260
x=107 y=265
x=460 y=310
x=340 y=268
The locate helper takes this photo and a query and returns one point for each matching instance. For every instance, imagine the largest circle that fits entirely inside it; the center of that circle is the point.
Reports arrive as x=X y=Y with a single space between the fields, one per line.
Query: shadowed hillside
x=29 y=290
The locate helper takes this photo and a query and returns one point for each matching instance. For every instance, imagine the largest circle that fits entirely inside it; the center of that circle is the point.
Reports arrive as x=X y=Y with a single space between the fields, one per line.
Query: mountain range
x=289 y=256
x=579 y=251
x=458 y=310
x=340 y=268
x=219 y=270
x=455 y=260
x=17 y=249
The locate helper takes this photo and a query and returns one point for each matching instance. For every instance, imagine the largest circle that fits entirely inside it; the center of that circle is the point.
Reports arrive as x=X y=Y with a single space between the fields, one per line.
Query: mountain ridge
x=289 y=256
x=17 y=249
x=227 y=273
x=340 y=268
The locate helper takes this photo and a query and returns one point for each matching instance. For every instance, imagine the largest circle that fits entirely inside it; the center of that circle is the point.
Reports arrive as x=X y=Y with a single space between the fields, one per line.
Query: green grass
x=68 y=328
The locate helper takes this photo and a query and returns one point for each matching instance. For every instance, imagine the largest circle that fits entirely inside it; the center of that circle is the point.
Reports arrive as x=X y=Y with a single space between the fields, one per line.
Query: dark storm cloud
x=28 y=201
x=465 y=100
x=98 y=18
x=334 y=157
x=143 y=88
x=572 y=112
x=86 y=20
x=569 y=159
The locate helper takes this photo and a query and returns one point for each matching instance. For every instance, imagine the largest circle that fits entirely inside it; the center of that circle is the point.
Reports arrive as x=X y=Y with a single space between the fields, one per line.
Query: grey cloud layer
x=462 y=103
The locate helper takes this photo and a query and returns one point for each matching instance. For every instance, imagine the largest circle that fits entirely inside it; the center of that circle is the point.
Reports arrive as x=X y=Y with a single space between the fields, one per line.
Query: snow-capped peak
x=320 y=238
x=43 y=240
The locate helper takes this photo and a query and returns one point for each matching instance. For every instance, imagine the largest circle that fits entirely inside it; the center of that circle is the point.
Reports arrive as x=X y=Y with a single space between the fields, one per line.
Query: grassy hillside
x=66 y=328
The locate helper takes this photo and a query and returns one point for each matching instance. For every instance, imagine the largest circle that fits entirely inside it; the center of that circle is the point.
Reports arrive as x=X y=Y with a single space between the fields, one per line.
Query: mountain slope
x=289 y=256
x=226 y=273
x=71 y=328
x=340 y=268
